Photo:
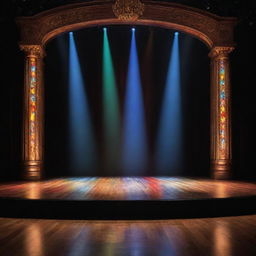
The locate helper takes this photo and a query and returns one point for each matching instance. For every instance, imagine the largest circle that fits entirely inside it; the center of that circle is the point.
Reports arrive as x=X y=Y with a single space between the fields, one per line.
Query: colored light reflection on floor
x=33 y=240
x=127 y=188
x=208 y=236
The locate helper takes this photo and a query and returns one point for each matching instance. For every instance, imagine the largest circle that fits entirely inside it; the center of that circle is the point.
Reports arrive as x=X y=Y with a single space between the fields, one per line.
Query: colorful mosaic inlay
x=222 y=98
x=32 y=102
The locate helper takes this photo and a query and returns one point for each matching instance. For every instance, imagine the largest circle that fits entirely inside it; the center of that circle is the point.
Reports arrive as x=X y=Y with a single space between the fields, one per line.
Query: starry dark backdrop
x=195 y=86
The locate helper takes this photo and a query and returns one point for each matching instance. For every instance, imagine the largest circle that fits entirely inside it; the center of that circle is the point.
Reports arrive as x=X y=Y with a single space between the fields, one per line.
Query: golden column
x=221 y=155
x=32 y=151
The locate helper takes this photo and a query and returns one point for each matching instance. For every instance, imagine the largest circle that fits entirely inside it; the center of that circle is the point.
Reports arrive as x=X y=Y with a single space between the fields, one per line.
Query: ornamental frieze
x=209 y=28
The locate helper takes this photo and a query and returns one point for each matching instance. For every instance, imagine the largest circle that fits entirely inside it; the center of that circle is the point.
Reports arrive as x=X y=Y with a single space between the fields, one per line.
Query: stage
x=127 y=198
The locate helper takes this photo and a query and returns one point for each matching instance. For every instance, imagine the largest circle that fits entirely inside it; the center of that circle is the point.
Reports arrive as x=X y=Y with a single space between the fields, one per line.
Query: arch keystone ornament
x=214 y=31
x=128 y=9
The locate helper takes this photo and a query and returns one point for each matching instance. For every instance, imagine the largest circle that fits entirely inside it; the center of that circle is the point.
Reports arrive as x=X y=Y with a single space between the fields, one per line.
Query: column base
x=32 y=170
x=221 y=170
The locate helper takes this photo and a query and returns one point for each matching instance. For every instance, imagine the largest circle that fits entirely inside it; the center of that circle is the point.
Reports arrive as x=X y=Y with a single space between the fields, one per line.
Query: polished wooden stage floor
x=127 y=198
x=127 y=188
x=228 y=236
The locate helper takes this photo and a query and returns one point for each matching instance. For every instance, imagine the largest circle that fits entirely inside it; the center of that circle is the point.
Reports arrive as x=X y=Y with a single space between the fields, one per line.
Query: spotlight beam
x=169 y=137
x=134 y=156
x=82 y=144
x=111 y=115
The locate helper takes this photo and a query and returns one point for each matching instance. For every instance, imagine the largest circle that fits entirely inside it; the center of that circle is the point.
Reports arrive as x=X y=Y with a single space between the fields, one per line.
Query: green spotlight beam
x=111 y=115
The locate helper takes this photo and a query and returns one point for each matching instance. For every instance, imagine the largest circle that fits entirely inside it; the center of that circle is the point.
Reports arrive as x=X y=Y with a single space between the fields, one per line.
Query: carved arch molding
x=211 y=29
x=216 y=32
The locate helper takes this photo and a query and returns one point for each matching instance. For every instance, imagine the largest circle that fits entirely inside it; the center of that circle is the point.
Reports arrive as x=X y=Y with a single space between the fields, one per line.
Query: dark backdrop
x=154 y=47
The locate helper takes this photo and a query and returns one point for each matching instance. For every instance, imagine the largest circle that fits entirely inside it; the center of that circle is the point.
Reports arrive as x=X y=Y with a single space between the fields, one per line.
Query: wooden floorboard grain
x=228 y=236
x=127 y=188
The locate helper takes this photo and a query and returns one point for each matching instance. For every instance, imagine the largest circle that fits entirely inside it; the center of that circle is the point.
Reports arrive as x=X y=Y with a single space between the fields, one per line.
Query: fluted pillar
x=221 y=155
x=32 y=153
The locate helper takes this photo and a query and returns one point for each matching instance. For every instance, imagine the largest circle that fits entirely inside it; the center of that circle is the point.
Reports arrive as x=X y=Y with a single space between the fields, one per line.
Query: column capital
x=33 y=50
x=221 y=51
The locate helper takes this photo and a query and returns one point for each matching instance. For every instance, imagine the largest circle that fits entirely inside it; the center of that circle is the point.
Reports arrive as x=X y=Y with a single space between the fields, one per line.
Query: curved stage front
x=127 y=198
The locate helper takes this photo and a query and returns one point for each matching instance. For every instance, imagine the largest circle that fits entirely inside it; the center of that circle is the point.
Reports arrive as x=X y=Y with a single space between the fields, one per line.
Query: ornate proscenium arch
x=211 y=29
x=216 y=32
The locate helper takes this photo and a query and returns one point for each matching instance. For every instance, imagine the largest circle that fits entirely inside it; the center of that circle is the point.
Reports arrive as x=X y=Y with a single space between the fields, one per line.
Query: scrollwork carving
x=220 y=51
x=216 y=32
x=128 y=9
x=33 y=50
x=211 y=29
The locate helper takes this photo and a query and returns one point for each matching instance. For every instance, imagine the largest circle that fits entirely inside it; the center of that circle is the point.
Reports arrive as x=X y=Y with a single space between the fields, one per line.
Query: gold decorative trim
x=33 y=112
x=211 y=29
x=33 y=50
x=128 y=10
x=216 y=32
x=221 y=151
x=220 y=51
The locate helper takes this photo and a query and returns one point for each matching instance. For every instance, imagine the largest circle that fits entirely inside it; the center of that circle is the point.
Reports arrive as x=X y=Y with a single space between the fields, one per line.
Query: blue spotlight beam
x=82 y=144
x=134 y=155
x=169 y=137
